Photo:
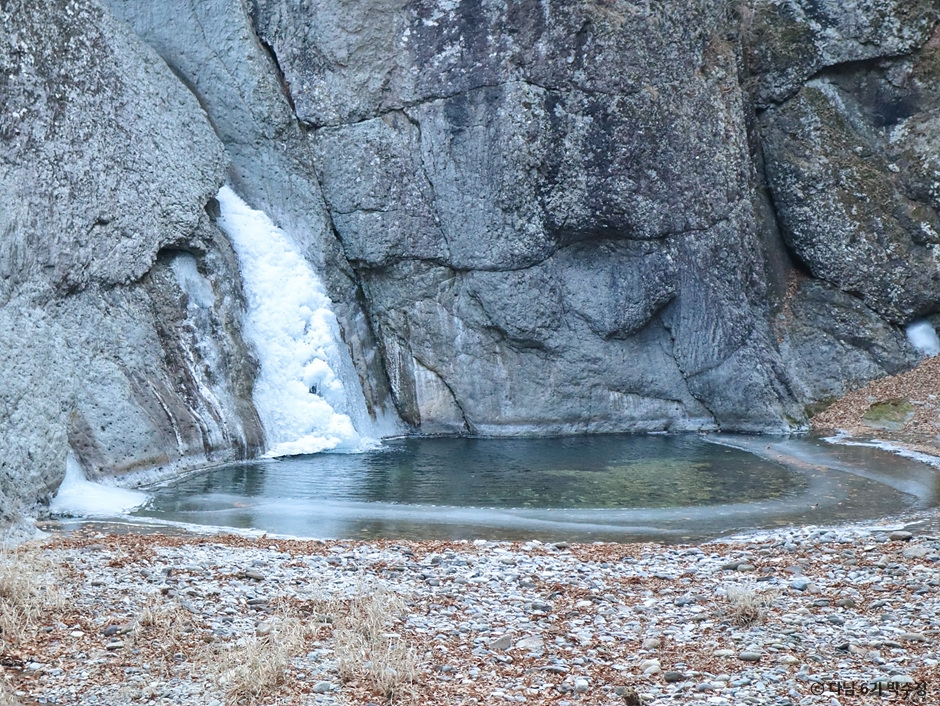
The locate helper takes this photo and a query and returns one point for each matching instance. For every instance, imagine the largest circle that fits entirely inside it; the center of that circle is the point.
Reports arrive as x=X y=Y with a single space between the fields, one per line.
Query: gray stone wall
x=533 y=216
x=106 y=164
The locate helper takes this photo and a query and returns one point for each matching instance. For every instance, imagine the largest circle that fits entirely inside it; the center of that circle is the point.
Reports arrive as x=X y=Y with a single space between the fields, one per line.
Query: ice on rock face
x=304 y=404
x=923 y=337
x=80 y=497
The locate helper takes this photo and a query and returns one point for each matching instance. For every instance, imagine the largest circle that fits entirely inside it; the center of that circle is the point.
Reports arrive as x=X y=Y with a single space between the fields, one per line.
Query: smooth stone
x=749 y=656
x=799 y=584
x=581 y=685
x=114 y=645
x=723 y=653
x=845 y=603
x=912 y=637
x=652 y=643
x=112 y=630
x=503 y=642
x=915 y=552
x=254 y=575
x=900 y=536
x=533 y=642
x=629 y=696
x=322 y=687
x=673 y=676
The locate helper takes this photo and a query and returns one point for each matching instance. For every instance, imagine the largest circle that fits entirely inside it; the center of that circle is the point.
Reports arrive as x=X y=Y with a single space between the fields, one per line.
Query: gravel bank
x=780 y=618
x=916 y=419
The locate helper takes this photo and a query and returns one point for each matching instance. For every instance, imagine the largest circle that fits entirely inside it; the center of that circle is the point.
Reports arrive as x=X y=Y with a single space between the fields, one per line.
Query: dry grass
x=747 y=606
x=7 y=698
x=29 y=587
x=367 y=649
x=256 y=666
x=166 y=628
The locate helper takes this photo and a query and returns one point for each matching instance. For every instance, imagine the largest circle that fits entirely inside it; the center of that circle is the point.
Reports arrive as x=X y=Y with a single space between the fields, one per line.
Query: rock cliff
x=107 y=347
x=533 y=216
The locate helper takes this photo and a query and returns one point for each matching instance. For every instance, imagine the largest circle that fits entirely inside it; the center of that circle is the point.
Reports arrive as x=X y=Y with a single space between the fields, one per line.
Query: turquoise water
x=621 y=488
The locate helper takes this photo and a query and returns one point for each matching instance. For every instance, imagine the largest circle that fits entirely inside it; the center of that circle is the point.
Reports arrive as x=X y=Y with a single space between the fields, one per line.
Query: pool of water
x=621 y=488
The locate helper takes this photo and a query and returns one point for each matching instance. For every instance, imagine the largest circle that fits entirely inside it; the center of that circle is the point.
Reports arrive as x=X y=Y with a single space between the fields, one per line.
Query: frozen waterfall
x=923 y=337
x=307 y=392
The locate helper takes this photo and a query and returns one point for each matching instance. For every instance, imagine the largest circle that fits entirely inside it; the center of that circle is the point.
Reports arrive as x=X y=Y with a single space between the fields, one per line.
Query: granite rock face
x=541 y=217
x=833 y=343
x=852 y=164
x=119 y=340
x=786 y=43
x=549 y=207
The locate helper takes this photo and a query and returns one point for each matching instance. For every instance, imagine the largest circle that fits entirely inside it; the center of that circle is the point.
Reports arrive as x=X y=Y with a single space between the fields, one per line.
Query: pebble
x=533 y=642
x=553 y=623
x=900 y=536
x=503 y=642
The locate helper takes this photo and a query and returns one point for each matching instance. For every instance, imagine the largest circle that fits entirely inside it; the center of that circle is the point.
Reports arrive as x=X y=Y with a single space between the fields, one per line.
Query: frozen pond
x=621 y=488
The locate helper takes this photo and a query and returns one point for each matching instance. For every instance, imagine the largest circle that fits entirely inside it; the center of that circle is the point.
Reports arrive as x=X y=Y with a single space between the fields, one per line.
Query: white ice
x=191 y=281
x=304 y=406
x=923 y=337
x=80 y=497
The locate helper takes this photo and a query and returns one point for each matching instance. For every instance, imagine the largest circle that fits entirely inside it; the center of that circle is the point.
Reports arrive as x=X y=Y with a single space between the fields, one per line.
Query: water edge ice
x=80 y=497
